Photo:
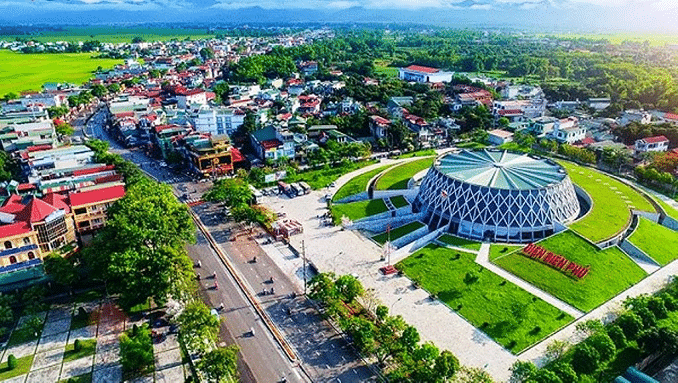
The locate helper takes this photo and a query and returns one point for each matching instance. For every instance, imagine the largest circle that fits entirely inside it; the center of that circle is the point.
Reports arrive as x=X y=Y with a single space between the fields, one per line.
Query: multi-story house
x=90 y=206
x=651 y=144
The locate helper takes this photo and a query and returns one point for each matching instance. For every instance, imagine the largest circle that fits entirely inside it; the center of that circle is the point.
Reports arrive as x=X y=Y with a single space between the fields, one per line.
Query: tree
x=11 y=362
x=556 y=349
x=382 y=312
x=446 y=365
x=137 y=40
x=349 y=287
x=503 y=122
x=564 y=371
x=589 y=327
x=522 y=371
x=322 y=288
x=61 y=270
x=617 y=335
x=221 y=90
x=114 y=88
x=198 y=328
x=64 y=129
x=603 y=344
x=98 y=90
x=206 y=53
x=630 y=324
x=585 y=359
x=231 y=191
x=544 y=376
x=136 y=351
x=8 y=167
x=220 y=364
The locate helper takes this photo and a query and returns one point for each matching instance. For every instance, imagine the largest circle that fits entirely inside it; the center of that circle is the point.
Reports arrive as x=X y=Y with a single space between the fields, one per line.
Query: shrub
x=630 y=324
x=657 y=307
x=77 y=345
x=603 y=344
x=669 y=301
x=11 y=362
x=471 y=277
x=564 y=371
x=647 y=317
x=617 y=335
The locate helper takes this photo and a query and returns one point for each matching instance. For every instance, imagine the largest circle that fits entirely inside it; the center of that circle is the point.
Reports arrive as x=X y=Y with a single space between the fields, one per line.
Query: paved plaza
x=104 y=365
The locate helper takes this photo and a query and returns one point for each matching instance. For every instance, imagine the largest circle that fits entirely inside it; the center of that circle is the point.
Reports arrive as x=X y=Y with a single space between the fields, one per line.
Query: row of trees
x=390 y=340
x=638 y=330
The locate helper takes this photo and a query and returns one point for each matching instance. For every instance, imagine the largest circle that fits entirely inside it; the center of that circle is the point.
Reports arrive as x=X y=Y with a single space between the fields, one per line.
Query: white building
x=634 y=115
x=218 y=121
x=499 y=137
x=651 y=144
x=46 y=99
x=191 y=97
x=568 y=131
x=418 y=73
x=512 y=92
x=530 y=108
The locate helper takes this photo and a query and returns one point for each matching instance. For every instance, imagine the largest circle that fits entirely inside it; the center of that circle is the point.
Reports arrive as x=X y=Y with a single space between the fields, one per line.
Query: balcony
x=20 y=266
x=18 y=250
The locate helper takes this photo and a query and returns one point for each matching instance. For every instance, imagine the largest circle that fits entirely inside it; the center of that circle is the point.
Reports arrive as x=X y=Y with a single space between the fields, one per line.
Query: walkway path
x=483 y=259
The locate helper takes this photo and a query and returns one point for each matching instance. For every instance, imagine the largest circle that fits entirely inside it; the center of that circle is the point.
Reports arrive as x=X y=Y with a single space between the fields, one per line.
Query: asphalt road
x=326 y=356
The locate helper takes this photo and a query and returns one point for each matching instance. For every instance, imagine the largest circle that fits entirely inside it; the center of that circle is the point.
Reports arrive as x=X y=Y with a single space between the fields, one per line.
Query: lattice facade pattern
x=500 y=215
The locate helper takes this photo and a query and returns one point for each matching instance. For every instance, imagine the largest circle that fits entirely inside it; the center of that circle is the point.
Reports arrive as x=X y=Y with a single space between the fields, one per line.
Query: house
x=532 y=108
x=635 y=115
x=568 y=131
x=218 y=121
x=472 y=99
x=187 y=98
x=423 y=74
x=207 y=155
x=308 y=67
x=379 y=126
x=651 y=144
x=22 y=136
x=512 y=92
x=273 y=143
x=599 y=103
x=396 y=105
x=90 y=206
x=499 y=137
x=542 y=126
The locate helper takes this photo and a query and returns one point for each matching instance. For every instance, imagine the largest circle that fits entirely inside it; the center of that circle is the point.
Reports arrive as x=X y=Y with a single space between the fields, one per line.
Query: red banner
x=556 y=261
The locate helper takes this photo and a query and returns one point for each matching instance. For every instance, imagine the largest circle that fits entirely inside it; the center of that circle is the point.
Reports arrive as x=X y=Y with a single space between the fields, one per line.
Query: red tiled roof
x=37 y=148
x=423 y=69
x=24 y=187
x=14 y=229
x=236 y=156
x=124 y=114
x=380 y=120
x=13 y=205
x=97 y=195
x=504 y=112
x=109 y=178
x=81 y=172
x=270 y=144
x=59 y=201
x=655 y=139
x=588 y=141
x=35 y=211
x=671 y=116
x=191 y=92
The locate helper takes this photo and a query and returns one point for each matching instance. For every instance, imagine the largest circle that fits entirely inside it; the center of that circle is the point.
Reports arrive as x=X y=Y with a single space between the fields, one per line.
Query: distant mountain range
x=543 y=17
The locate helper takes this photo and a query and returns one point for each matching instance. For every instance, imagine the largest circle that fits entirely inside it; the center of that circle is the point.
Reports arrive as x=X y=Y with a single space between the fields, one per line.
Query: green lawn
x=657 y=241
x=399 y=201
x=398 y=232
x=357 y=184
x=612 y=271
x=398 y=177
x=418 y=153
x=22 y=366
x=500 y=249
x=21 y=72
x=470 y=145
x=610 y=212
x=510 y=315
x=357 y=210
x=23 y=335
x=459 y=242
x=88 y=348
x=668 y=209
x=382 y=67
x=320 y=178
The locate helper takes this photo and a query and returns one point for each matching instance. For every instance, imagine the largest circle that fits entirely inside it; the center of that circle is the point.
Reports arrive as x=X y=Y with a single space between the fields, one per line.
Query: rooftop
x=500 y=169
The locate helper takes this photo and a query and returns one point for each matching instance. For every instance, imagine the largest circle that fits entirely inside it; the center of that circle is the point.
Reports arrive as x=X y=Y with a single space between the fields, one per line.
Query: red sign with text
x=556 y=261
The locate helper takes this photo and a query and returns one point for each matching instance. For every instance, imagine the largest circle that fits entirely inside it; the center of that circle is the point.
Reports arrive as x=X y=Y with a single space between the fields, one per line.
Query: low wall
x=670 y=223
x=354 y=198
x=380 y=225
x=409 y=194
x=654 y=217
x=411 y=237
x=635 y=252
x=410 y=248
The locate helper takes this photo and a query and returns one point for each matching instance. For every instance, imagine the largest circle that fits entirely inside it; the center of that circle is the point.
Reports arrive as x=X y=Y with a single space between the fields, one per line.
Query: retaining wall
x=635 y=252
x=411 y=237
x=380 y=225
x=670 y=223
x=409 y=194
x=354 y=198
x=410 y=248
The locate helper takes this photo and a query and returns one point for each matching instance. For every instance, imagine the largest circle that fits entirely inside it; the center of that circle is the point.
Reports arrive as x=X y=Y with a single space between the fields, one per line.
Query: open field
x=654 y=39
x=657 y=241
x=612 y=271
x=399 y=176
x=398 y=232
x=499 y=249
x=357 y=184
x=111 y=34
x=357 y=210
x=22 y=72
x=322 y=177
x=668 y=209
x=612 y=203
x=382 y=67
x=510 y=315
x=459 y=242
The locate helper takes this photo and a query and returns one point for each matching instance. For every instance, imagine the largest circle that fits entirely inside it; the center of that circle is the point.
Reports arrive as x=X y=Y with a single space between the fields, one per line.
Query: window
x=12 y=259
x=31 y=255
x=81 y=210
x=8 y=245
x=83 y=224
x=27 y=241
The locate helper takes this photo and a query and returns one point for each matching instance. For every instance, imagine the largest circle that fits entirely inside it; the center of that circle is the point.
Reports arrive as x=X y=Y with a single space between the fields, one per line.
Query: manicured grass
x=21 y=72
x=668 y=209
x=357 y=184
x=399 y=201
x=459 y=242
x=510 y=315
x=657 y=241
x=23 y=335
x=84 y=378
x=470 y=145
x=357 y=210
x=419 y=153
x=89 y=346
x=500 y=249
x=610 y=212
x=320 y=178
x=611 y=272
x=381 y=67
x=22 y=366
x=514 y=146
x=398 y=232
x=398 y=177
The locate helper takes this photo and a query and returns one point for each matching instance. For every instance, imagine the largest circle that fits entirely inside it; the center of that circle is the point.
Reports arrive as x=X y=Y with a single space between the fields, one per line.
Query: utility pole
x=303 y=254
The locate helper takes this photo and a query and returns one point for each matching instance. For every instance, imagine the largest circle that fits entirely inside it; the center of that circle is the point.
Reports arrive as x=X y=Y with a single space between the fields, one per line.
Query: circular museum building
x=497 y=195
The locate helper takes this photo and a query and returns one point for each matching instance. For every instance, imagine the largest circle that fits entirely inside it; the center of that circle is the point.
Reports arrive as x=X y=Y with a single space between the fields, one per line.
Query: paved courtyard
x=104 y=365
